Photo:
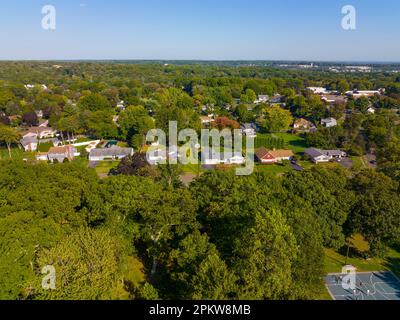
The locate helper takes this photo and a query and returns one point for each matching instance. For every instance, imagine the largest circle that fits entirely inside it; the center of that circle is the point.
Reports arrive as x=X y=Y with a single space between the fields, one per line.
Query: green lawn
x=334 y=261
x=357 y=163
x=16 y=153
x=123 y=144
x=104 y=167
x=293 y=142
x=44 y=147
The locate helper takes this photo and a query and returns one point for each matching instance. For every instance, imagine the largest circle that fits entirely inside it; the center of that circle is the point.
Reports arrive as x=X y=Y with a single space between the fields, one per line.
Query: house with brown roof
x=265 y=156
x=58 y=153
x=282 y=155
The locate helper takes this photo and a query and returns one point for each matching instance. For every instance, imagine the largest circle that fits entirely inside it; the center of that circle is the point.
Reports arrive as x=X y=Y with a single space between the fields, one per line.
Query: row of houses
x=334 y=96
x=69 y=152
x=32 y=136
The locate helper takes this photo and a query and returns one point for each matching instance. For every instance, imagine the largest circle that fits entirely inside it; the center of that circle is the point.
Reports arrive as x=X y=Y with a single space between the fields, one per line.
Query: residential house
x=249 y=130
x=62 y=153
x=42 y=156
x=318 y=155
x=318 y=90
x=355 y=94
x=329 y=122
x=206 y=120
x=211 y=158
x=371 y=110
x=40 y=132
x=58 y=154
x=277 y=98
x=265 y=156
x=29 y=144
x=302 y=124
x=262 y=99
x=333 y=98
x=112 y=153
x=237 y=158
x=282 y=155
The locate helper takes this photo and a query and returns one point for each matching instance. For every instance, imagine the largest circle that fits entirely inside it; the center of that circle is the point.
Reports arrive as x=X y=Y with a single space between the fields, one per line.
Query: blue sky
x=201 y=29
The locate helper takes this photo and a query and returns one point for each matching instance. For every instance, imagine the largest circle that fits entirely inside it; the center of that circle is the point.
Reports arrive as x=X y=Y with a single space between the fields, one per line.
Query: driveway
x=346 y=163
x=296 y=167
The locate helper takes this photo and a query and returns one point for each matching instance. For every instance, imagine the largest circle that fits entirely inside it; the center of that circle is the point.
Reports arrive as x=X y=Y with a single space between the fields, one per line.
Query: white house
x=215 y=158
x=318 y=155
x=262 y=99
x=112 y=153
x=318 y=90
x=40 y=133
x=371 y=110
x=29 y=144
x=249 y=129
x=58 y=153
x=364 y=93
x=237 y=158
x=329 y=122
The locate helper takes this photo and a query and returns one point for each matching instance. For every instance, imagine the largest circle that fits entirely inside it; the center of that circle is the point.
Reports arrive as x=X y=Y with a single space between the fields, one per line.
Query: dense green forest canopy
x=190 y=240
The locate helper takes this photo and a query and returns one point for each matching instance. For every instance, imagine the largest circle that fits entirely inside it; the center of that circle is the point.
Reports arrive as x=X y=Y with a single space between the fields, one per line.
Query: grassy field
x=104 y=167
x=334 y=261
x=293 y=142
x=16 y=153
x=357 y=163
x=45 y=147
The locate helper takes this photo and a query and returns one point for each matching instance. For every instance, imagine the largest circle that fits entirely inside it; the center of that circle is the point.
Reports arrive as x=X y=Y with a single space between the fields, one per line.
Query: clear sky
x=201 y=29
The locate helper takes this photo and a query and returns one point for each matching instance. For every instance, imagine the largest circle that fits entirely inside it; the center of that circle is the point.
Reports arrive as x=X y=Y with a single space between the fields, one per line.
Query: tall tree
x=9 y=136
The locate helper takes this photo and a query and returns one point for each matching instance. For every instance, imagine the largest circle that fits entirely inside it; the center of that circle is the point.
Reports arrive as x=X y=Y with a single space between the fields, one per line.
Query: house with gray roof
x=318 y=155
x=29 y=144
x=329 y=122
x=113 y=153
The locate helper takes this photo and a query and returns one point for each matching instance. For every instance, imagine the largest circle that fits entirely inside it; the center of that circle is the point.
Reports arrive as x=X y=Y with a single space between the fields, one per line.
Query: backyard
x=291 y=141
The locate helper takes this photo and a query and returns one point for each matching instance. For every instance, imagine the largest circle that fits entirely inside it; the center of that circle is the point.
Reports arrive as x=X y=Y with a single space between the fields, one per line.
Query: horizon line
x=206 y=60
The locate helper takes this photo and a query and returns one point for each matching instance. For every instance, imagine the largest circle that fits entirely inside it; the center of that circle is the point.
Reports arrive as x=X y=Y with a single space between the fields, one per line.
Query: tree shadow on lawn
x=354 y=253
x=393 y=263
